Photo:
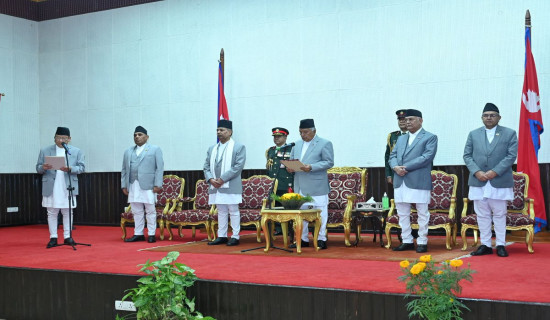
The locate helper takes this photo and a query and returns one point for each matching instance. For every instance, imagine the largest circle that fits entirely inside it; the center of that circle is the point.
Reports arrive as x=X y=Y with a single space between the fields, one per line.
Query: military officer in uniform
x=274 y=155
x=392 y=139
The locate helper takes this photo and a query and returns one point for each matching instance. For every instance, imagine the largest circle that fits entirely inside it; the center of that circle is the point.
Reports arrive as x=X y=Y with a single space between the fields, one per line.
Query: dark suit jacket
x=76 y=162
x=498 y=156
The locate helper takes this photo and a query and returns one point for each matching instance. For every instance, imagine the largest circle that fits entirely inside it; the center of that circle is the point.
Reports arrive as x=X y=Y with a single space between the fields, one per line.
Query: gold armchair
x=199 y=215
x=520 y=215
x=442 y=209
x=347 y=186
x=172 y=190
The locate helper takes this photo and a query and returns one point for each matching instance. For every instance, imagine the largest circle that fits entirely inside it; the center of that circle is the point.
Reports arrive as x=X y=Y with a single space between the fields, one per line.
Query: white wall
x=347 y=64
x=19 y=109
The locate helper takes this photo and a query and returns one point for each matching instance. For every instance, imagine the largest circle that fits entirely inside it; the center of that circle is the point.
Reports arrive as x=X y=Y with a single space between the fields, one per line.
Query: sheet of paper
x=293 y=164
x=56 y=162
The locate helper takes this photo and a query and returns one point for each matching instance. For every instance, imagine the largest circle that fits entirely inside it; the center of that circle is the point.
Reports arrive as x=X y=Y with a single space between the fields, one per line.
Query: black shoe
x=69 y=241
x=501 y=251
x=151 y=239
x=483 y=250
x=233 y=242
x=304 y=244
x=135 y=238
x=321 y=244
x=421 y=248
x=404 y=247
x=52 y=243
x=219 y=240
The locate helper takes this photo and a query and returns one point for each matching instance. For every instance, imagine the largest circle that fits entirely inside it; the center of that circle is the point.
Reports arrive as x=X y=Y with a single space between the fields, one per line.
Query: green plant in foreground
x=436 y=286
x=161 y=294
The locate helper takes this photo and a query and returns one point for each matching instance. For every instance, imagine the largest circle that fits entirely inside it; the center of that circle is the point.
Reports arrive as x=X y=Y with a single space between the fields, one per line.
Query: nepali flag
x=222 y=104
x=530 y=129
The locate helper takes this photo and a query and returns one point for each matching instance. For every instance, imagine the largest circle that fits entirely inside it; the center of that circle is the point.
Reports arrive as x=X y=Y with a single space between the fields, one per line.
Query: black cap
x=225 y=124
x=307 y=123
x=278 y=131
x=140 y=129
x=413 y=113
x=63 y=131
x=490 y=107
x=401 y=113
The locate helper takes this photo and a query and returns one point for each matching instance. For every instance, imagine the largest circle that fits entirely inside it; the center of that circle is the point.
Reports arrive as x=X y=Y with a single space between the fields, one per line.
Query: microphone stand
x=268 y=206
x=70 y=188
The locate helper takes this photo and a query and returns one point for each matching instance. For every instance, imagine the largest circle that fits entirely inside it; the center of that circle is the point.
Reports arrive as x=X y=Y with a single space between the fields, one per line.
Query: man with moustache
x=392 y=139
x=489 y=154
x=411 y=160
x=55 y=196
x=317 y=155
x=142 y=171
x=222 y=170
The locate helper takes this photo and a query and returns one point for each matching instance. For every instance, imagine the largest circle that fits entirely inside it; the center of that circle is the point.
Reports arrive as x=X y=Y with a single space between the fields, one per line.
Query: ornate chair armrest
x=392 y=208
x=452 y=208
x=172 y=207
x=128 y=208
x=465 y=207
x=531 y=209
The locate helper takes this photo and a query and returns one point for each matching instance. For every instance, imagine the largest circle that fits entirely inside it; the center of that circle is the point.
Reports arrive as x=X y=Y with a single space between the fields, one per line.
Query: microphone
x=66 y=147
x=292 y=144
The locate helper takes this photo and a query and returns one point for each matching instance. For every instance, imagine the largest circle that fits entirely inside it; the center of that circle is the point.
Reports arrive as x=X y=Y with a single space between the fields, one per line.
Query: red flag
x=530 y=128
x=222 y=104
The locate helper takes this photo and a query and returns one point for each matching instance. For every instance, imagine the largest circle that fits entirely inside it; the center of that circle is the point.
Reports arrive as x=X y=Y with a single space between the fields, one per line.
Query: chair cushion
x=341 y=186
x=255 y=189
x=335 y=216
x=247 y=215
x=435 y=219
x=130 y=216
x=518 y=220
x=170 y=190
x=197 y=215
x=470 y=219
x=442 y=190
x=519 y=187
x=201 y=196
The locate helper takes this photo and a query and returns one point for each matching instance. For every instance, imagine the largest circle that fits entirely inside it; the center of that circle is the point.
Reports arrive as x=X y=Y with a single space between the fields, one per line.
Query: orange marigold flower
x=456 y=263
x=420 y=266
x=416 y=269
x=426 y=258
x=404 y=264
x=440 y=272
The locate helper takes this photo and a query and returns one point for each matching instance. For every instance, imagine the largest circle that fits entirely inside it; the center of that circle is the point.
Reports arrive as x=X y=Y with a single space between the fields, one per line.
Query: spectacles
x=61 y=138
x=490 y=115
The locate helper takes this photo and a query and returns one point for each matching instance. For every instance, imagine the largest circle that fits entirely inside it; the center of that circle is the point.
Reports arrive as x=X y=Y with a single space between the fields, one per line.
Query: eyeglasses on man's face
x=490 y=115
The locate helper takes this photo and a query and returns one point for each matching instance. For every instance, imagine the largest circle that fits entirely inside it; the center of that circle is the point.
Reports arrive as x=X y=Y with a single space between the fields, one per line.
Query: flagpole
x=527 y=19
x=222 y=61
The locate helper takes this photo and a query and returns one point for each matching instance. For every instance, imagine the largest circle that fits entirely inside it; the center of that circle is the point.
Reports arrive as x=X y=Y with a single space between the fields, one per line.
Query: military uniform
x=275 y=169
x=392 y=139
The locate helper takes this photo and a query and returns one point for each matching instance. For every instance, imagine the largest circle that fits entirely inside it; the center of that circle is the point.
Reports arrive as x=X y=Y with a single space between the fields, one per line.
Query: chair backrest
x=521 y=186
x=201 y=195
x=443 y=193
x=346 y=181
x=172 y=188
x=255 y=189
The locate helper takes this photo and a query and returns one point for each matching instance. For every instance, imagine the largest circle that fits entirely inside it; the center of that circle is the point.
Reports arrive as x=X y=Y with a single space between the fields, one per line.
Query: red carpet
x=520 y=277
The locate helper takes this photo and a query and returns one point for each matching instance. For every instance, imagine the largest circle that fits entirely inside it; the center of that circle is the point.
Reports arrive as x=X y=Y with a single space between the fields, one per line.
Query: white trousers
x=324 y=219
x=484 y=208
x=404 y=213
x=140 y=211
x=52 y=222
x=226 y=211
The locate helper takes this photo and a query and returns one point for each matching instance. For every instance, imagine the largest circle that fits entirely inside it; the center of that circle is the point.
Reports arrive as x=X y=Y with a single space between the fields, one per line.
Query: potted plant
x=161 y=294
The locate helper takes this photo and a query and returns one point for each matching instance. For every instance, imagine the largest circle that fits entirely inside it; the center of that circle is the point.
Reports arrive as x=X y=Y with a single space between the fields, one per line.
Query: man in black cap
x=274 y=155
x=489 y=154
x=317 y=155
x=222 y=170
x=55 y=196
x=392 y=139
x=411 y=160
x=141 y=180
